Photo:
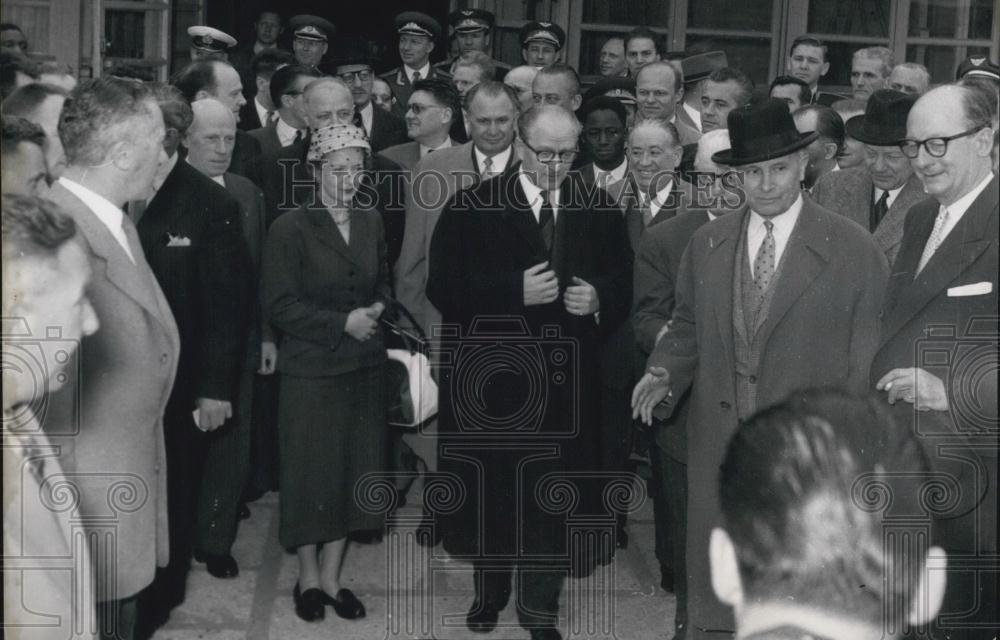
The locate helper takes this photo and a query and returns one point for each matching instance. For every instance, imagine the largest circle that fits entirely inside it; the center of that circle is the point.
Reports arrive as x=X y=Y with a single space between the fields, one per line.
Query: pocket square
x=976 y=289
x=177 y=241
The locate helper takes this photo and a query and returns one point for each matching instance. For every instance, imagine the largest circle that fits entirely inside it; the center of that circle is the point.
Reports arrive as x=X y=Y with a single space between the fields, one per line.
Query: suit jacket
x=435 y=179
x=407 y=155
x=249 y=120
x=457 y=131
x=312 y=280
x=268 y=139
x=688 y=134
x=827 y=99
x=928 y=315
x=120 y=392
x=246 y=153
x=204 y=282
x=851 y=193
x=821 y=329
x=388 y=130
x=486 y=237
x=657 y=262
x=251 y=201
x=683 y=117
x=614 y=189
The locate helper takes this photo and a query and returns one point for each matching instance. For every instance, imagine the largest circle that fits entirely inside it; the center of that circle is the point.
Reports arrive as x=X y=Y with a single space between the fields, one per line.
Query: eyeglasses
x=936 y=147
x=417 y=109
x=349 y=76
x=548 y=156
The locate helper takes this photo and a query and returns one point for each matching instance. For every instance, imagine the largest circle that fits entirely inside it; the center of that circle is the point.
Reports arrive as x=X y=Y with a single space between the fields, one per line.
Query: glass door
x=135 y=33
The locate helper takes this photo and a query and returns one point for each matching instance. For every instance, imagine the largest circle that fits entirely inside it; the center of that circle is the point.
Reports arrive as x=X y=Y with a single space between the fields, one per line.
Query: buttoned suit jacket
x=927 y=316
x=434 y=180
x=821 y=329
x=851 y=193
x=120 y=390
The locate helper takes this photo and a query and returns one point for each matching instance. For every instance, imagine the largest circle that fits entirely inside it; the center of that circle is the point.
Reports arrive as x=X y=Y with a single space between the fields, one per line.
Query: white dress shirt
x=958 y=208
x=108 y=213
x=535 y=199
x=694 y=113
x=499 y=160
x=366 y=118
x=892 y=195
x=286 y=132
x=615 y=175
x=784 y=223
x=660 y=199
x=262 y=112
x=424 y=72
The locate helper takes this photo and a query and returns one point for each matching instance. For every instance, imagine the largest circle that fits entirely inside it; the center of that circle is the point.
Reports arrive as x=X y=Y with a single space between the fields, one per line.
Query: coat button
x=724 y=404
x=753 y=379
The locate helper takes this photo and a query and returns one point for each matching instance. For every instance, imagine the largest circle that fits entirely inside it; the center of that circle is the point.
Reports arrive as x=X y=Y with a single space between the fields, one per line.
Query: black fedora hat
x=762 y=130
x=883 y=124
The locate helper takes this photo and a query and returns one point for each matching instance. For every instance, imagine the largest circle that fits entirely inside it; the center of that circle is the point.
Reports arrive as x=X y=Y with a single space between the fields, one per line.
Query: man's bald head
x=211 y=137
x=209 y=111
x=328 y=101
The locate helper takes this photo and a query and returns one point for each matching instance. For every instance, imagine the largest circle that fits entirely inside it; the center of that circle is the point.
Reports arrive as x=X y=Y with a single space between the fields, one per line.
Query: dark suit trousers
x=670 y=515
x=537 y=591
x=227 y=463
x=116 y=619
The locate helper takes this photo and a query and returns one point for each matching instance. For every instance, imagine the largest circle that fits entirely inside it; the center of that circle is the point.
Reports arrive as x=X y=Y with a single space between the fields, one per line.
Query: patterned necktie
x=647 y=213
x=763 y=264
x=359 y=121
x=269 y=117
x=933 y=241
x=488 y=171
x=416 y=76
x=546 y=220
x=879 y=209
x=298 y=136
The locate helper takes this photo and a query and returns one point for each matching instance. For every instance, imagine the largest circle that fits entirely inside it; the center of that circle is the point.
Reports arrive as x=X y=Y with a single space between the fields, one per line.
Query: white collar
x=615 y=175
x=262 y=112
x=219 y=180
x=660 y=198
x=106 y=211
x=892 y=194
x=367 y=117
x=286 y=132
x=424 y=149
x=534 y=194
x=424 y=71
x=783 y=222
x=500 y=160
x=694 y=113
x=958 y=208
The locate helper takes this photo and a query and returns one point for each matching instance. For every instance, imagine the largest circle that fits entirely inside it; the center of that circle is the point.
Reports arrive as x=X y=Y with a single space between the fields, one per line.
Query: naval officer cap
x=547 y=32
x=312 y=27
x=415 y=23
x=471 y=20
x=210 y=39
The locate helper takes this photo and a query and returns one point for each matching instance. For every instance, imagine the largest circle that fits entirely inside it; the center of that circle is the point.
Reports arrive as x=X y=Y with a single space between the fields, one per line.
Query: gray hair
x=98 y=114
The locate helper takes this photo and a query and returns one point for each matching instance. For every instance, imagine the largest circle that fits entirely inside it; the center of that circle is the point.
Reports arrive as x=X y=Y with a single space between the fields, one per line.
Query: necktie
x=488 y=168
x=298 y=136
x=879 y=209
x=546 y=220
x=933 y=241
x=359 y=121
x=647 y=213
x=763 y=264
x=416 y=76
x=269 y=117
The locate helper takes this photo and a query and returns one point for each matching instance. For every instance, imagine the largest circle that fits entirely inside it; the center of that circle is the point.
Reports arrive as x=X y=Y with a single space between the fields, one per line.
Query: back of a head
x=265 y=63
x=479 y=61
x=17 y=130
x=284 y=78
x=562 y=70
x=176 y=110
x=829 y=124
x=99 y=113
x=26 y=100
x=33 y=229
x=711 y=142
x=195 y=77
x=801 y=490
x=737 y=76
x=848 y=108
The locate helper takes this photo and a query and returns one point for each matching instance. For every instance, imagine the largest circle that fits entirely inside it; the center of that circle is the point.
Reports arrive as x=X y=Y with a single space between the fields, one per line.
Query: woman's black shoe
x=309 y=605
x=345 y=604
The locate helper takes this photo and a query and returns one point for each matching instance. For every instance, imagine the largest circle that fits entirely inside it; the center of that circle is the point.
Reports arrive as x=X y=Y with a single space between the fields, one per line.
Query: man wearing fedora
x=696 y=70
x=780 y=297
x=354 y=67
x=878 y=194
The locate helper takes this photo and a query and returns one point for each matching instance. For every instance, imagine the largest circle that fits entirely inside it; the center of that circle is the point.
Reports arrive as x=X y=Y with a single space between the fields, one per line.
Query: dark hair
x=133 y=72
x=34 y=227
x=177 y=113
x=664 y=64
x=643 y=32
x=602 y=103
x=732 y=74
x=10 y=65
x=829 y=124
x=27 y=99
x=284 y=79
x=97 y=115
x=10 y=26
x=197 y=76
x=492 y=88
x=562 y=69
x=265 y=63
x=479 y=60
x=805 y=93
x=443 y=92
x=803 y=490
x=17 y=130
x=809 y=41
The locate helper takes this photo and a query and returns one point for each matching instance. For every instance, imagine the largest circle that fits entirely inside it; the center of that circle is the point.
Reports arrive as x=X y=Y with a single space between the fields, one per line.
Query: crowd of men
x=783 y=298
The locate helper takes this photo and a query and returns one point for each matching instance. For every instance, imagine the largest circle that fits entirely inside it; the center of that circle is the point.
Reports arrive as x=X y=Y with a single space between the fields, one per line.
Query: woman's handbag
x=412 y=392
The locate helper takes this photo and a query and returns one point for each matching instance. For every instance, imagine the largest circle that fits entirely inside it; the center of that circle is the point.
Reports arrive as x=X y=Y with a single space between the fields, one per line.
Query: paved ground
x=429 y=597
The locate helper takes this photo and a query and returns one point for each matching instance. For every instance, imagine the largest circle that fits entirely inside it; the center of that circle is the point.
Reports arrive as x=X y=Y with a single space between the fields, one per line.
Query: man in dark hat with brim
x=780 y=296
x=418 y=33
x=472 y=30
x=696 y=70
x=353 y=64
x=878 y=194
x=208 y=43
x=541 y=43
x=310 y=38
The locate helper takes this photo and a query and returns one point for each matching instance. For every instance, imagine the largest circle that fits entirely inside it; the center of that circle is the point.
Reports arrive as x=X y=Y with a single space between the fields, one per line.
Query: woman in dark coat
x=324 y=274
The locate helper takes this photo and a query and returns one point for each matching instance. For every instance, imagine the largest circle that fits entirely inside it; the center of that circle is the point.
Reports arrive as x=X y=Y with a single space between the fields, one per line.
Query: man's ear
x=725 y=570
x=201 y=95
x=122 y=156
x=929 y=595
x=829 y=150
x=261 y=83
x=576 y=101
x=824 y=69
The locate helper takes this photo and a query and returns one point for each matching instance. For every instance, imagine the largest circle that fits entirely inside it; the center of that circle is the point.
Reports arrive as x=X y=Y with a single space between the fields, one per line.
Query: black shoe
x=345 y=604
x=667 y=579
x=546 y=633
x=243 y=513
x=220 y=566
x=309 y=605
x=482 y=617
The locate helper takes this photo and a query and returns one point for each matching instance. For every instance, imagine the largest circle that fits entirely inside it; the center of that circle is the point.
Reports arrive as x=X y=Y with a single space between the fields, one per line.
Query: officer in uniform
x=417 y=34
x=311 y=38
x=542 y=43
x=473 y=29
x=208 y=43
